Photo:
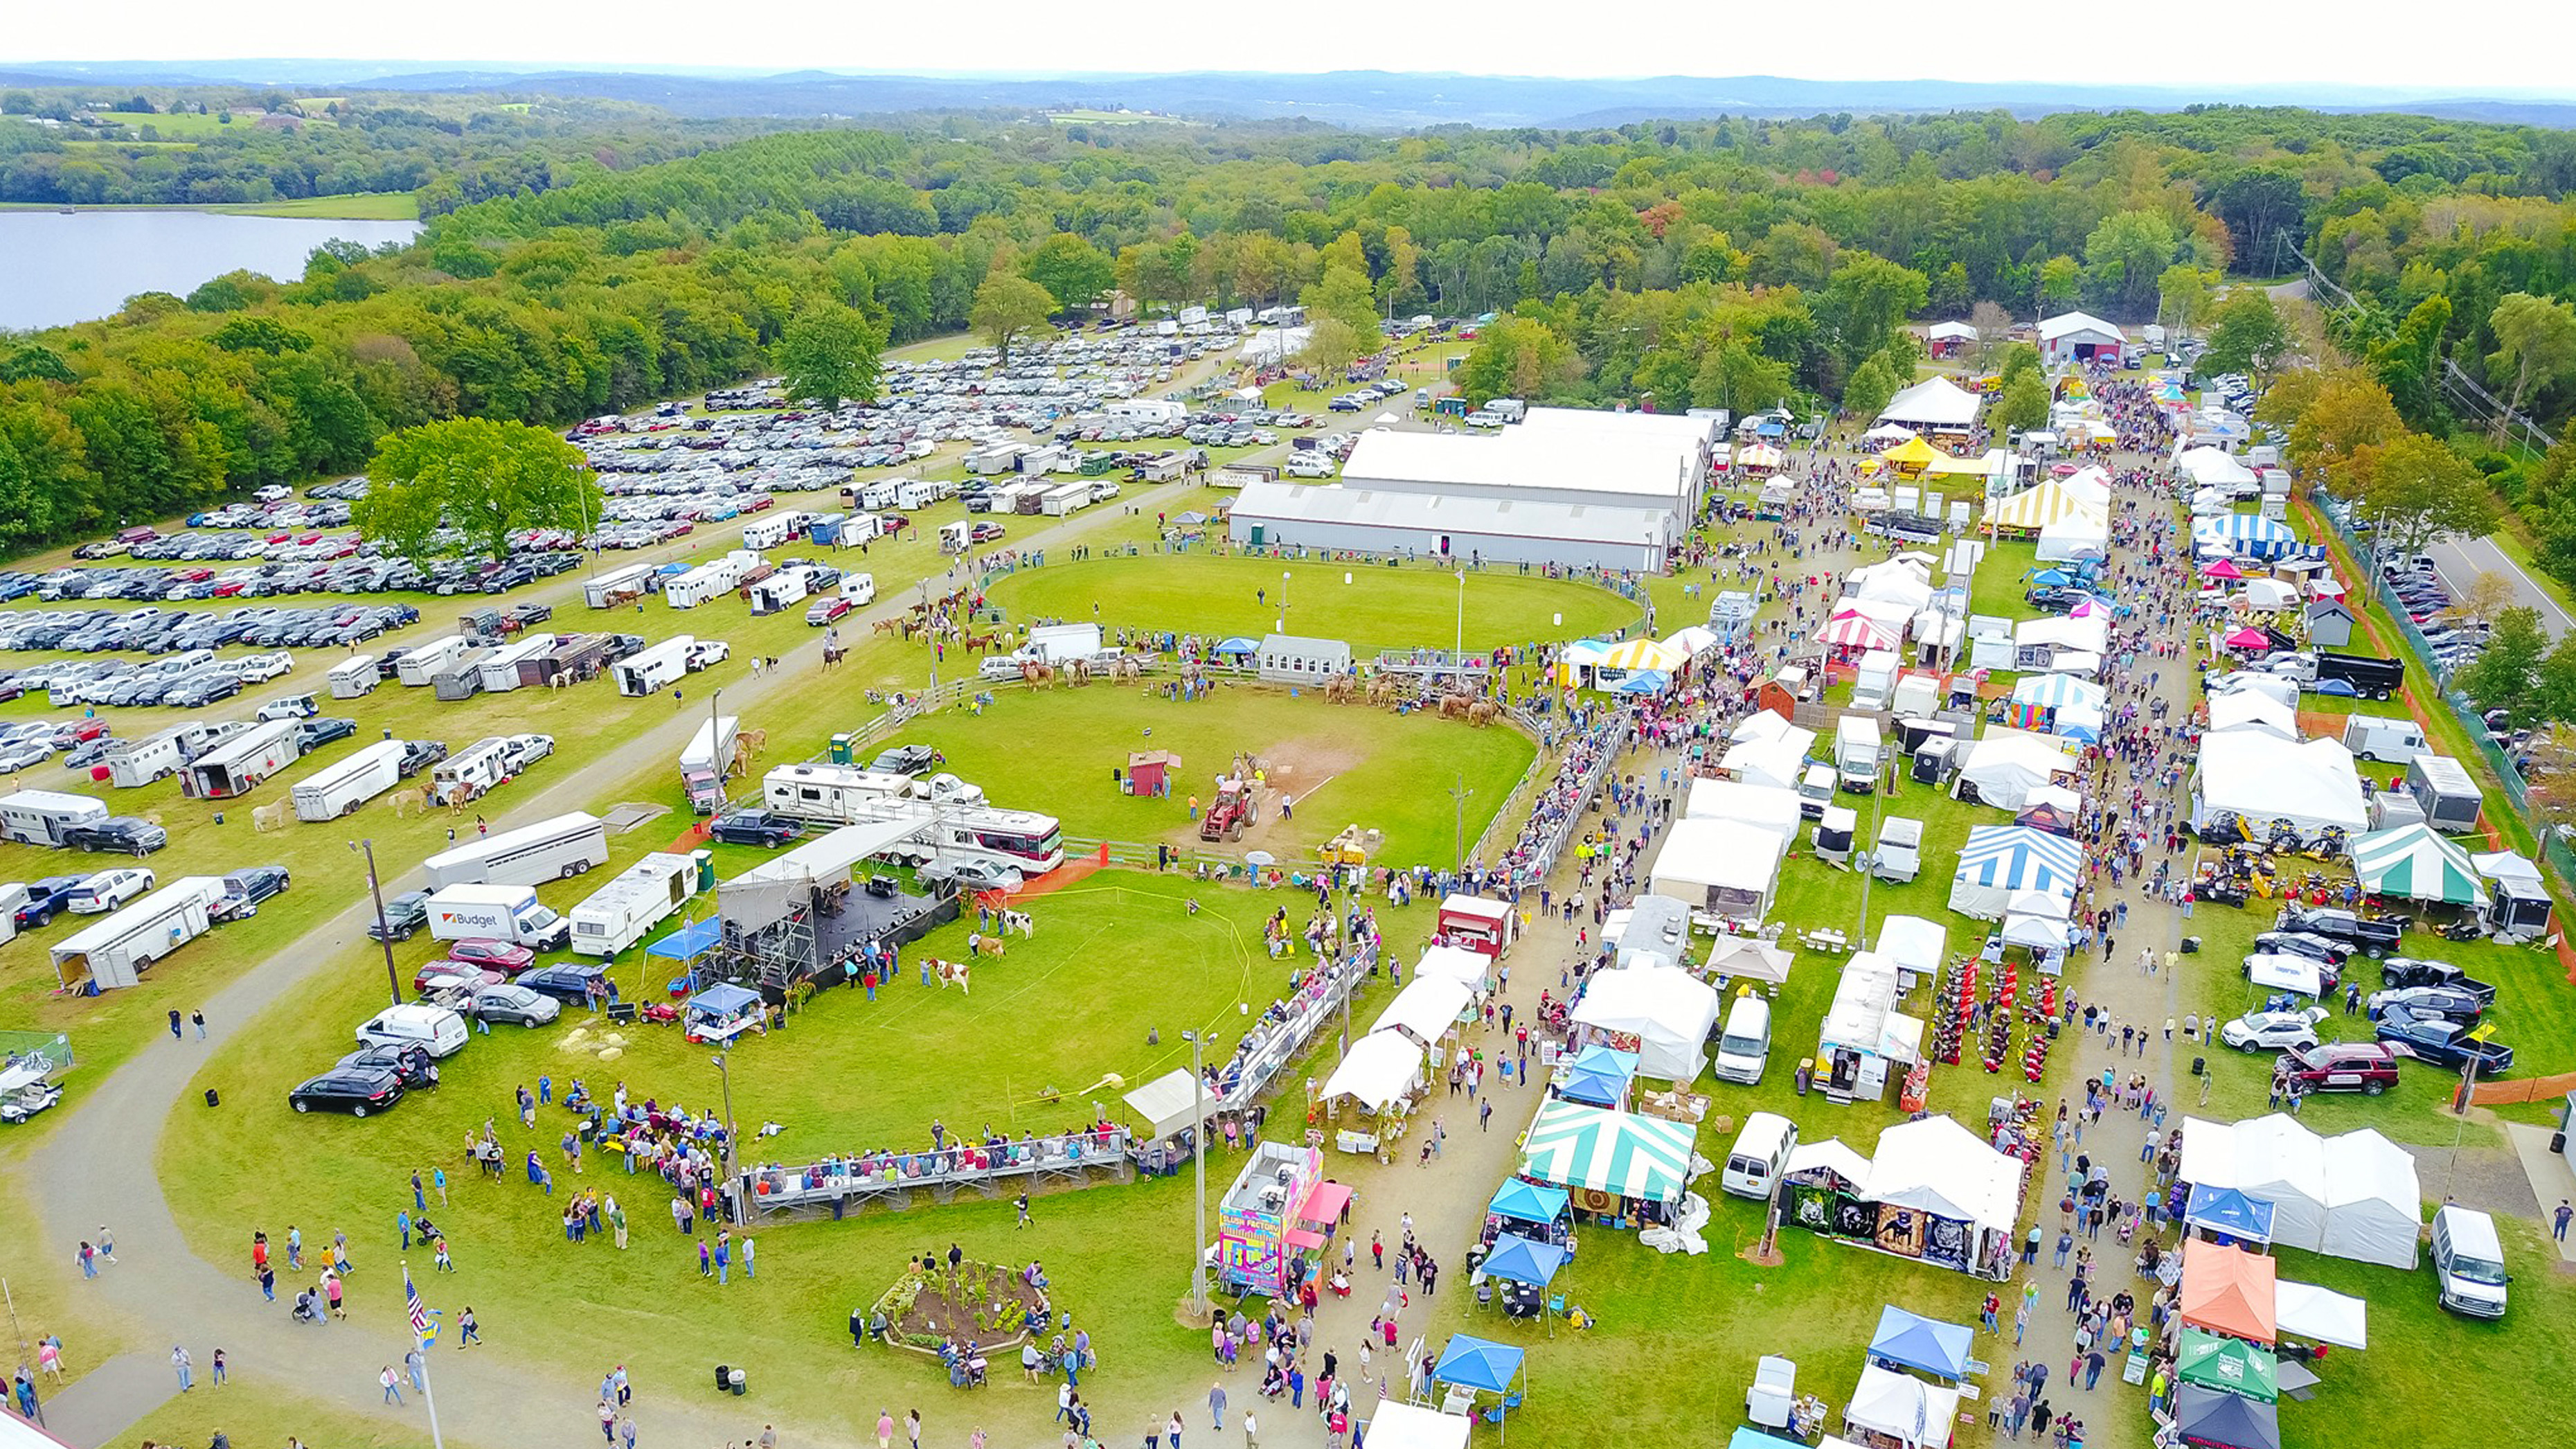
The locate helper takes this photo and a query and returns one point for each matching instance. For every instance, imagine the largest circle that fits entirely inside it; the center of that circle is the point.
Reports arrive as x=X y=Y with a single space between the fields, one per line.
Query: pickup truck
x=2398 y=972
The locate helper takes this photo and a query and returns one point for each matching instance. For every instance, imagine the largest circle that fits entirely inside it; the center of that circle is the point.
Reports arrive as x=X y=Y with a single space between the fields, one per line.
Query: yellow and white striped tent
x=2038 y=507
x=1642 y=654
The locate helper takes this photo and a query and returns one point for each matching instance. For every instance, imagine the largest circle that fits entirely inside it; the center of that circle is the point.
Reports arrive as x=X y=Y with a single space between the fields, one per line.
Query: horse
x=264 y=818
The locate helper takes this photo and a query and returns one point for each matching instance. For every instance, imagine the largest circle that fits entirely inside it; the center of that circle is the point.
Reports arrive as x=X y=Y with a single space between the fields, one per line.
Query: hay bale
x=616 y=1038
x=611 y=1053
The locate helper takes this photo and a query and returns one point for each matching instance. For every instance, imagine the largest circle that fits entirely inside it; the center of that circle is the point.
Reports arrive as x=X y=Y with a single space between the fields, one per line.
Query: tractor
x=1236 y=807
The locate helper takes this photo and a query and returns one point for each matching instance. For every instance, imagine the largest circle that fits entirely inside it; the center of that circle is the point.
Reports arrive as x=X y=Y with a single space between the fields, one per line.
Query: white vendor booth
x=1865 y=1040
x=2263 y=777
x=2006 y=766
x=1771 y=807
x=1722 y=867
x=1368 y=1092
x=2355 y=1196
x=1662 y=1013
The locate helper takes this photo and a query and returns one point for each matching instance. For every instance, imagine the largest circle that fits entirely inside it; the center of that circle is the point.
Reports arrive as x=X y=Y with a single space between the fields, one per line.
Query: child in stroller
x=965 y=1364
x=307 y=1309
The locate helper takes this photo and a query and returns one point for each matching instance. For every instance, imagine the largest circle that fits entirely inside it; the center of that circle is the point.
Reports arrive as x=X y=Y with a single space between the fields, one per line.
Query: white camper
x=337 y=790
x=710 y=580
x=39 y=817
x=923 y=492
x=157 y=756
x=827 y=794
x=782 y=590
x=1062 y=643
x=118 y=950
x=652 y=670
x=556 y=849
x=641 y=897
x=420 y=667
x=354 y=677
x=772 y=529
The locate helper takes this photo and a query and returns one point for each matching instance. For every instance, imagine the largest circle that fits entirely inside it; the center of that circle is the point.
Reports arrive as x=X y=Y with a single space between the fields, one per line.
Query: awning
x=2228 y=1290
x=2416 y=862
x=1166 y=1104
x=2225 y=1210
x=692 y=940
x=1426 y=1009
x=1325 y=1203
x=2308 y=1311
x=1528 y=1202
x=1524 y=1260
x=2219 y=1420
x=1904 y=1406
x=1378 y=1070
x=722 y=1001
x=1749 y=957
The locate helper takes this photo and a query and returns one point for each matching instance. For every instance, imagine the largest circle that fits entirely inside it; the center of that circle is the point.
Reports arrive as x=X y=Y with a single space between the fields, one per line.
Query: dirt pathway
x=98 y=1167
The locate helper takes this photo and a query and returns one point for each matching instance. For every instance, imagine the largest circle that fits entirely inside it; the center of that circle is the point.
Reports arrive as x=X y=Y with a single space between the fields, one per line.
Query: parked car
x=525 y=750
x=410 y=1063
x=2398 y=972
x=313 y=734
x=19 y=755
x=2272 y=1030
x=419 y=755
x=352 y=1090
x=2302 y=943
x=826 y=609
x=511 y=1002
x=107 y=891
x=2369 y=1068
x=969 y=875
x=507 y=957
x=2448 y=1003
x=2446 y=1044
x=245 y=889
x=754 y=827
x=444 y=975
x=46 y=899
x=707 y=653
x=908 y=760
x=569 y=983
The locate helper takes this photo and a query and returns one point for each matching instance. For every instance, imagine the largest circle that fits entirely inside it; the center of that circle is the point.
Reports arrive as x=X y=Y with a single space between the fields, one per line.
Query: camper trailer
x=556 y=849
x=421 y=665
x=827 y=794
x=617 y=587
x=40 y=817
x=502 y=672
x=1898 y=856
x=241 y=764
x=354 y=677
x=782 y=590
x=654 y=669
x=1158 y=416
x=923 y=492
x=998 y=458
x=339 y=789
x=641 y=897
x=472 y=770
x=772 y=529
x=118 y=950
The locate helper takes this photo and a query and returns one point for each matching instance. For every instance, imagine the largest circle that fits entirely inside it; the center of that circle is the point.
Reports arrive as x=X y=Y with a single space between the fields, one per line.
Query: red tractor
x=1236 y=807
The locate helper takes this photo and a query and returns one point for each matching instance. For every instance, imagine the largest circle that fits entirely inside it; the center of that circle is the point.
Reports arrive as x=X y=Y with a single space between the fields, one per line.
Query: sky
x=2302 y=44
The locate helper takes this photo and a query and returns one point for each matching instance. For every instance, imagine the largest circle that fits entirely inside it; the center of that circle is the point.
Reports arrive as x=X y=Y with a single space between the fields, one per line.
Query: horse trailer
x=243 y=763
x=556 y=849
x=118 y=950
x=337 y=790
x=470 y=771
x=654 y=669
x=420 y=666
x=41 y=817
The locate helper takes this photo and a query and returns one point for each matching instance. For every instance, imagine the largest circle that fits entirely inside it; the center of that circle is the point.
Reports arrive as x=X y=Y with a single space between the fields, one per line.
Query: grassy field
x=1114 y=956
x=1379 y=608
x=1343 y=764
x=259 y=1412
x=356 y=206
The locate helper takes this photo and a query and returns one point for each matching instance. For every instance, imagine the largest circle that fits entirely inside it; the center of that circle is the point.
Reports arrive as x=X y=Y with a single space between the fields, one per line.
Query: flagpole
x=420 y=1345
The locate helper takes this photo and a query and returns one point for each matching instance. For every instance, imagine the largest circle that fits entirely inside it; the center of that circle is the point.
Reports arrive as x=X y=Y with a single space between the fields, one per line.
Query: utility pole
x=1198 y=1163
x=384 y=931
x=724 y=1073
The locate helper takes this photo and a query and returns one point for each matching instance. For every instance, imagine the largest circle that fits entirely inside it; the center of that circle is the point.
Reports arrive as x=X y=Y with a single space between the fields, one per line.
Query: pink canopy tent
x=2223 y=569
x=2248 y=639
x=1858 y=631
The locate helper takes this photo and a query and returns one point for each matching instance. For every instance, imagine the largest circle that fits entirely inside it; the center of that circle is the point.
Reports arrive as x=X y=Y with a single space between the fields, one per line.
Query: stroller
x=306 y=1309
x=965 y=1366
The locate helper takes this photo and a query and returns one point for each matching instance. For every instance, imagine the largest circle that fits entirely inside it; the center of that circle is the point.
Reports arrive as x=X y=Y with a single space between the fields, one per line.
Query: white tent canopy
x=1667 y=1009
x=1724 y=867
x=2252 y=709
x=1913 y=943
x=1775 y=762
x=1454 y=963
x=1951 y=332
x=1394 y=1424
x=2305 y=1310
x=1772 y=807
x=1169 y=1103
x=2270 y=1159
x=1936 y=1165
x=1379 y=1070
x=1750 y=958
x=1933 y=405
x=1915 y=1410
x=2374 y=1203
x=2006 y=768
x=2213 y=468
x=2079 y=532
x=1863 y=999
x=1426 y=1009
x=2263 y=777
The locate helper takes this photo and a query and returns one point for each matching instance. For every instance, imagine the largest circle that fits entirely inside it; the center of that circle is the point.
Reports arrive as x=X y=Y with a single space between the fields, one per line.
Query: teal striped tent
x=2416 y=862
x=1574 y=1146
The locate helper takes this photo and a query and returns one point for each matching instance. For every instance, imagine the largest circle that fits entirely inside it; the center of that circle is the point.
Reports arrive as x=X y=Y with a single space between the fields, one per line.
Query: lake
x=62 y=268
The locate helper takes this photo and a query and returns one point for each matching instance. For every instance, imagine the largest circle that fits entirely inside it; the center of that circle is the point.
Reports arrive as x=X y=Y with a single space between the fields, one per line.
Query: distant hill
x=1358 y=98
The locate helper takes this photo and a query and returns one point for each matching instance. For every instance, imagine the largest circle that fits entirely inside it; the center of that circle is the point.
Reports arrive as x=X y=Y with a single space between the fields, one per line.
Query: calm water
x=56 y=268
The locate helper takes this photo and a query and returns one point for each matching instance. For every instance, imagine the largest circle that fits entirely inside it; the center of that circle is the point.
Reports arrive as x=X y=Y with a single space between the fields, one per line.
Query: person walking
x=392 y=1386
x=197 y=1019
x=1216 y=1405
x=217 y=1364
x=467 y=1331
x=175 y=1033
x=2558 y=1220
x=184 y=1366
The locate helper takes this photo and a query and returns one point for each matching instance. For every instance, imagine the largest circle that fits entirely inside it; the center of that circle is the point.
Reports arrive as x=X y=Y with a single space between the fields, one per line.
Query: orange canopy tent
x=2229 y=1291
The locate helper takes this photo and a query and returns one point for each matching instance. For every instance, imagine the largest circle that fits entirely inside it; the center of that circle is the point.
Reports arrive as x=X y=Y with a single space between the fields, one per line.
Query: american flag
x=419 y=1315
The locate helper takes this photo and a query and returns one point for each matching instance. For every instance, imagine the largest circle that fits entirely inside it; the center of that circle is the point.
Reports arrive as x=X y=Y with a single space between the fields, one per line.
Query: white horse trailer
x=421 y=666
x=556 y=849
x=354 y=677
x=337 y=790
x=652 y=670
x=117 y=951
x=472 y=770
x=617 y=586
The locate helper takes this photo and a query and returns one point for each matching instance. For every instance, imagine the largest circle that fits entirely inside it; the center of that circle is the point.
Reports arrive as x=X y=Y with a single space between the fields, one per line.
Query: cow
x=1020 y=921
x=953 y=973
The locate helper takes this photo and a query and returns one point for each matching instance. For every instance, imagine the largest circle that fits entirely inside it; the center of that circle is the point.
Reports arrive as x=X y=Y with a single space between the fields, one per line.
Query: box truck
x=1856 y=751
x=337 y=790
x=496 y=913
x=705 y=761
x=118 y=950
x=243 y=763
x=641 y=897
x=556 y=849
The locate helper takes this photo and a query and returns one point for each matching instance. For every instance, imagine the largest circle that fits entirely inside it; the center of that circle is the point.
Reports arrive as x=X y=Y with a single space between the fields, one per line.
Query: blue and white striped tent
x=2057 y=691
x=2245 y=533
x=2000 y=862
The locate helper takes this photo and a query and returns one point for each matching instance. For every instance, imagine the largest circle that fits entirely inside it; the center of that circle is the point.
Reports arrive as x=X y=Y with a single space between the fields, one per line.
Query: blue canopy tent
x=1239 y=645
x=686 y=945
x=1599 y=1076
x=1524 y=1260
x=720 y=1013
x=2225 y=1210
x=1927 y=1345
x=1643 y=681
x=1529 y=1202
x=1481 y=1366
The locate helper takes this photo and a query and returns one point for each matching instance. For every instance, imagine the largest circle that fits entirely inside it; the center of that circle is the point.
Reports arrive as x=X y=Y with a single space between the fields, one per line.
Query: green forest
x=585 y=262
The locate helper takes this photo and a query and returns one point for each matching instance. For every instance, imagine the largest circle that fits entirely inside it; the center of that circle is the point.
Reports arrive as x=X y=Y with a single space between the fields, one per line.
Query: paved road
x=2459 y=560
x=97 y=1167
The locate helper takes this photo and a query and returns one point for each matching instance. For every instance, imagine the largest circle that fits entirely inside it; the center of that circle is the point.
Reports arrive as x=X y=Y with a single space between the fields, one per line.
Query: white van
x=1759 y=1156
x=434 y=1029
x=2468 y=1262
x=1744 y=1046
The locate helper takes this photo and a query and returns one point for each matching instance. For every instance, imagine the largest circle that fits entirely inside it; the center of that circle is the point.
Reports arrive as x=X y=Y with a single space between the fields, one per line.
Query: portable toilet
x=840 y=749
x=1149 y=772
x=705 y=861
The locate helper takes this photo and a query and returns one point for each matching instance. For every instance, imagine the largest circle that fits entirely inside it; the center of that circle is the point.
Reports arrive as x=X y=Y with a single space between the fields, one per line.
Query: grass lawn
x=1342 y=763
x=1997 y=588
x=1114 y=956
x=1380 y=608
x=256 y=1412
x=356 y=206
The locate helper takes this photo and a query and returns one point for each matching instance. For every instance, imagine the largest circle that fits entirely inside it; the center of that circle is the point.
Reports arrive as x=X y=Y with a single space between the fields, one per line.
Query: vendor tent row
x=2354 y=1196
x=1934 y=1191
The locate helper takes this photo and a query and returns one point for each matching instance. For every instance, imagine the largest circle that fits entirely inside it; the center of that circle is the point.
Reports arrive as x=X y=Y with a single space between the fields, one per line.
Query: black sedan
x=354 y=1090
x=2445 y=1044
x=2446 y=1003
x=2303 y=943
x=409 y=1063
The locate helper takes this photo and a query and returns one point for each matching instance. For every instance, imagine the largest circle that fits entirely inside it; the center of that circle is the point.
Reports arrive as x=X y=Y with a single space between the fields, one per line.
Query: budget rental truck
x=497 y=913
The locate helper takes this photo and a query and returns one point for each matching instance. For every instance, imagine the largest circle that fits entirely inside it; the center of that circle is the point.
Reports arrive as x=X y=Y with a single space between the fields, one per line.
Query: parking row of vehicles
x=155 y=630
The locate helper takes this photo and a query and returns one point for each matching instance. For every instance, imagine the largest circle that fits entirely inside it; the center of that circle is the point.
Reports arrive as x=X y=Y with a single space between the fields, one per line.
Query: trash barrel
x=211 y=1099
x=724 y=1377
x=740 y=1382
